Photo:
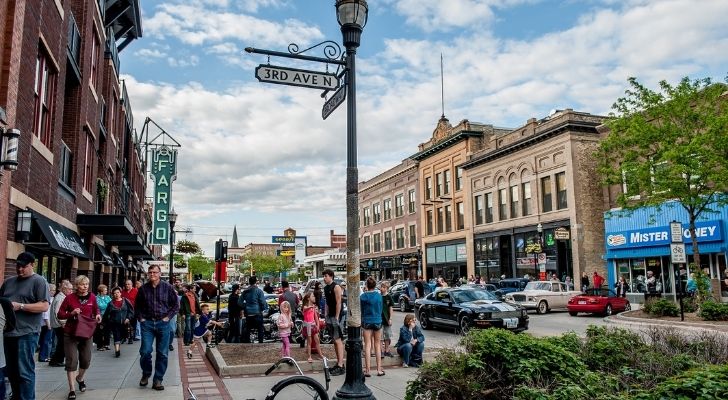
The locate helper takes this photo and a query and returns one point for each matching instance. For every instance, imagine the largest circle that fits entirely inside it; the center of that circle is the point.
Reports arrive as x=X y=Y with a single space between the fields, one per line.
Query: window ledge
x=42 y=149
x=67 y=189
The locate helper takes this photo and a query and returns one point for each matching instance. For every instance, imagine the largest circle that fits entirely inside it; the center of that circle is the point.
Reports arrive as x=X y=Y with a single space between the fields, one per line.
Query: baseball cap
x=24 y=259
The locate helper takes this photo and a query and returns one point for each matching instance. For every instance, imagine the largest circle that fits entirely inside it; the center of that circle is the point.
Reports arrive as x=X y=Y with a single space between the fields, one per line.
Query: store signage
x=300 y=250
x=296 y=77
x=708 y=231
x=164 y=171
x=287 y=253
x=283 y=239
x=561 y=234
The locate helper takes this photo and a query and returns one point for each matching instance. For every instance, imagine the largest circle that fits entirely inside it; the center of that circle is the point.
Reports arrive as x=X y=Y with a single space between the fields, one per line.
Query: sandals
x=380 y=373
x=367 y=374
x=310 y=360
x=81 y=386
x=71 y=395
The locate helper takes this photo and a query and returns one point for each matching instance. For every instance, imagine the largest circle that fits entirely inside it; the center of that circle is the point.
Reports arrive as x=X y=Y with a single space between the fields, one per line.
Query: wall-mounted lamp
x=22 y=227
x=9 y=148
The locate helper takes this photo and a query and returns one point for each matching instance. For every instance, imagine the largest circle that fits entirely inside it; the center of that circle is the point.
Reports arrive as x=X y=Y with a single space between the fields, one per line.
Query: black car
x=403 y=294
x=511 y=285
x=466 y=308
x=486 y=286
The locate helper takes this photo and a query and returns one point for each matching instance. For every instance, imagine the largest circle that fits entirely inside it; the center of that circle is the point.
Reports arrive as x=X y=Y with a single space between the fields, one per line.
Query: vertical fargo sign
x=164 y=170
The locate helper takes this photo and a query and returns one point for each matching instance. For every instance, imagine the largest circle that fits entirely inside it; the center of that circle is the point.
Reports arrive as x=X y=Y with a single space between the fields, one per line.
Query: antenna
x=442 y=88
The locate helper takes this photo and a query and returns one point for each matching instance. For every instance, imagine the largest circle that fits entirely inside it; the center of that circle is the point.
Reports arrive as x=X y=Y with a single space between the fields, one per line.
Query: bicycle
x=289 y=387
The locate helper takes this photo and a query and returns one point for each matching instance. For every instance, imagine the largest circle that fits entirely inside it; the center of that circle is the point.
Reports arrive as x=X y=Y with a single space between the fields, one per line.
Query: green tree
x=669 y=145
x=269 y=265
x=199 y=264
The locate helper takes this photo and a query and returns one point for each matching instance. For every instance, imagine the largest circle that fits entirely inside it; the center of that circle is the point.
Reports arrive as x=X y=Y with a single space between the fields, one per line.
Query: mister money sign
x=164 y=170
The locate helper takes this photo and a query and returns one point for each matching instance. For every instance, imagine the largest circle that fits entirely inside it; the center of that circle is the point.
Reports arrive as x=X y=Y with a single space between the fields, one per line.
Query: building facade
x=389 y=223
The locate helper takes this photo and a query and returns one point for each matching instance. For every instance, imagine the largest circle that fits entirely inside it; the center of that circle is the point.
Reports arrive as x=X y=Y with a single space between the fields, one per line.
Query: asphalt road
x=551 y=324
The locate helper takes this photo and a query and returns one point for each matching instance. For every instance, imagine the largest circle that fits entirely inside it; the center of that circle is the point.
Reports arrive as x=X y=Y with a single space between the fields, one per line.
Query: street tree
x=268 y=265
x=669 y=147
x=199 y=264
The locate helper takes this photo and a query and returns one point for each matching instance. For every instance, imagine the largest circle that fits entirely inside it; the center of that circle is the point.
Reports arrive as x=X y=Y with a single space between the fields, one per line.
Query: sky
x=258 y=156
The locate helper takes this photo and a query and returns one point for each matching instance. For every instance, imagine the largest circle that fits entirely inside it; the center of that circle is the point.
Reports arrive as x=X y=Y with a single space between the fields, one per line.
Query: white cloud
x=183 y=62
x=147 y=53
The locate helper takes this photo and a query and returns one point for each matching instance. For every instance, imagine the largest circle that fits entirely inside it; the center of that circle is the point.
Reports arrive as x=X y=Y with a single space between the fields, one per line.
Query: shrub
x=662 y=308
x=711 y=311
x=708 y=383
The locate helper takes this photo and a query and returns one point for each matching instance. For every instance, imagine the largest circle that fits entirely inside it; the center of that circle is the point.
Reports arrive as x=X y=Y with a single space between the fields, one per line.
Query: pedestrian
x=235 y=315
x=569 y=283
x=45 y=341
x=205 y=327
x=267 y=288
x=2 y=354
x=411 y=342
x=156 y=304
x=28 y=293
x=254 y=307
x=584 y=281
x=419 y=288
x=554 y=278
x=117 y=317
x=371 y=318
x=333 y=294
x=285 y=321
x=692 y=286
x=387 y=309
x=597 y=280
x=319 y=294
x=58 y=356
x=130 y=293
x=189 y=309
x=137 y=328
x=289 y=296
x=101 y=336
x=311 y=323
x=81 y=303
x=621 y=287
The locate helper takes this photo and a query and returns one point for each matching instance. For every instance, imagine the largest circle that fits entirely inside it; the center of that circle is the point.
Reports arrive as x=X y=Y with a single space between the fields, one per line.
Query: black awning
x=132 y=245
x=102 y=255
x=118 y=262
x=60 y=238
x=104 y=224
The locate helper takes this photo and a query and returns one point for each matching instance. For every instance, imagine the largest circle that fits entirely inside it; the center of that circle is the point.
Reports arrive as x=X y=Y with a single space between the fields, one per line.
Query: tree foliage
x=669 y=144
x=199 y=264
x=268 y=265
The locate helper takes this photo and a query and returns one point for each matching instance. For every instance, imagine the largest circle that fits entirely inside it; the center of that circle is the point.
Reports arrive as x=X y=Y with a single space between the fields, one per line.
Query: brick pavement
x=198 y=375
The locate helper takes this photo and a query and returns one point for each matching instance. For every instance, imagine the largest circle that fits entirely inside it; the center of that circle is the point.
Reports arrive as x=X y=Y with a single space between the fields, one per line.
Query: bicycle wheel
x=297 y=387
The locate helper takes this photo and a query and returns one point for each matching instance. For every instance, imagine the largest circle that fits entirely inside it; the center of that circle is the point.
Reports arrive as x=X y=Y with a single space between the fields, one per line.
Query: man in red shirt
x=597 y=279
x=130 y=293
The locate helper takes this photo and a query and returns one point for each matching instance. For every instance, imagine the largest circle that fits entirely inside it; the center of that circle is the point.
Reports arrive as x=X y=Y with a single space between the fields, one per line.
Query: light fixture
x=22 y=227
x=172 y=216
x=352 y=12
x=9 y=149
x=539 y=228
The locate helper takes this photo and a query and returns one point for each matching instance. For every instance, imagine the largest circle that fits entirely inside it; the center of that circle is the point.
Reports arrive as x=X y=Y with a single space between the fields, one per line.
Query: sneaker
x=157 y=385
x=171 y=348
x=404 y=365
x=130 y=341
x=337 y=370
x=387 y=354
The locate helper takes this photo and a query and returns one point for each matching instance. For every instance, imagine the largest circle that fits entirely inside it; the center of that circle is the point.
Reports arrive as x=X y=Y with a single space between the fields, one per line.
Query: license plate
x=582 y=301
x=511 y=322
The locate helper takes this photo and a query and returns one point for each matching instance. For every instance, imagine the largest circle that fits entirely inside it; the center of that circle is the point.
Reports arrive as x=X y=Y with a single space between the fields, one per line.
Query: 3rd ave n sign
x=296 y=77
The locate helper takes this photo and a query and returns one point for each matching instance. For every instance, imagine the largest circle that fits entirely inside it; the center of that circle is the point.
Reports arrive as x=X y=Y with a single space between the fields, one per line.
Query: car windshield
x=509 y=284
x=538 y=286
x=464 y=296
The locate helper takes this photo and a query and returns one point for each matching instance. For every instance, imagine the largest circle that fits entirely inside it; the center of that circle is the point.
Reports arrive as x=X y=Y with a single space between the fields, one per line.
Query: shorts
x=310 y=329
x=387 y=332
x=372 y=327
x=335 y=328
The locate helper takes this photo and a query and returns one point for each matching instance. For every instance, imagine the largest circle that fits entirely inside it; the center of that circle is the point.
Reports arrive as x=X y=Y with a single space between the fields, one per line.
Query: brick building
x=77 y=198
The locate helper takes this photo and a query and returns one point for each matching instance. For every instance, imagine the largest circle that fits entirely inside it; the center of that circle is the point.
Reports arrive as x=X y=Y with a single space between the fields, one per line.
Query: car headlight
x=484 y=316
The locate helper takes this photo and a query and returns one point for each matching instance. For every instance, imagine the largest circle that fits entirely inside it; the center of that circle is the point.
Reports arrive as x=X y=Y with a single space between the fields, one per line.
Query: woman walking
x=371 y=318
x=119 y=313
x=101 y=336
x=78 y=350
x=189 y=308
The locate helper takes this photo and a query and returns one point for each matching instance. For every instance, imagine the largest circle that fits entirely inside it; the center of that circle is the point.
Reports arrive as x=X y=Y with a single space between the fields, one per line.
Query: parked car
x=597 y=301
x=542 y=296
x=466 y=308
x=486 y=286
x=511 y=285
x=403 y=294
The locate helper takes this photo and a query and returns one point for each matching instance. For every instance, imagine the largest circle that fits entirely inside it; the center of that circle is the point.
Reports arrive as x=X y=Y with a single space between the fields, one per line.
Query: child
x=285 y=320
x=206 y=324
x=310 y=322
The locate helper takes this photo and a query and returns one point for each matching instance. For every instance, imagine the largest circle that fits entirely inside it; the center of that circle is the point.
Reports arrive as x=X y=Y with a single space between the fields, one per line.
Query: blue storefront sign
x=705 y=231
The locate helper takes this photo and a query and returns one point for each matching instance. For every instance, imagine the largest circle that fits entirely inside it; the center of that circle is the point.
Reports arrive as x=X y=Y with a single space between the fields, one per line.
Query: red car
x=597 y=301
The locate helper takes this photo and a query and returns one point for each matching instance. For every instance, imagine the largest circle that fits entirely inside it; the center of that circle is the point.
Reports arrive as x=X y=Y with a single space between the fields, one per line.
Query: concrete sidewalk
x=110 y=378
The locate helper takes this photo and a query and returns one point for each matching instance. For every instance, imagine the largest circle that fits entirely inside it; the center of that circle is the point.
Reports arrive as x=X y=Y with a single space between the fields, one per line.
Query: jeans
x=410 y=353
x=154 y=331
x=189 y=328
x=2 y=383
x=172 y=330
x=20 y=366
x=45 y=343
x=59 y=354
x=251 y=321
x=235 y=328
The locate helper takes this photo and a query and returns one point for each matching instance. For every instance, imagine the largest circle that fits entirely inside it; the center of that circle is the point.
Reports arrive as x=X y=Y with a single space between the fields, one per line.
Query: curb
x=620 y=319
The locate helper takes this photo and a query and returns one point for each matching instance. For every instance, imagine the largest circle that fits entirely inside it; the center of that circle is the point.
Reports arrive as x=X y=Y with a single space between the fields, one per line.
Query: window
x=438 y=189
x=440 y=219
x=448 y=218
x=367 y=217
x=446 y=174
x=413 y=235
x=399 y=233
x=44 y=87
x=488 y=207
x=66 y=165
x=478 y=210
x=526 y=189
x=93 y=76
x=514 y=201
x=387 y=240
x=399 y=205
x=412 y=205
x=88 y=164
x=629 y=186
x=561 y=202
x=429 y=222
x=503 y=203
x=367 y=246
x=376 y=210
x=458 y=178
x=461 y=216
x=377 y=242
x=387 y=209
x=428 y=188
x=546 y=205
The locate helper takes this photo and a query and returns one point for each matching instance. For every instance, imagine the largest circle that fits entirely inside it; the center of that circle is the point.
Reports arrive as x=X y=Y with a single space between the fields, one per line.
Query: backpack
x=7 y=306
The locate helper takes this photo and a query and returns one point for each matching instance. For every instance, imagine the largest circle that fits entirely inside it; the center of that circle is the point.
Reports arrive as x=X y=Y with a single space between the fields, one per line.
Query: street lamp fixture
x=22 y=227
x=172 y=220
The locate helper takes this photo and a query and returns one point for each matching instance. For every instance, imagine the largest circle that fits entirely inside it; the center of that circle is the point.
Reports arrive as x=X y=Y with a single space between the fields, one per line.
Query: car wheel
x=465 y=324
x=542 y=308
x=573 y=313
x=627 y=306
x=424 y=322
x=403 y=305
x=608 y=310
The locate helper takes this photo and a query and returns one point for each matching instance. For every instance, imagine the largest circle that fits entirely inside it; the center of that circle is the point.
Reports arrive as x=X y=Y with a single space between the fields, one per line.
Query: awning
x=102 y=255
x=104 y=224
x=132 y=245
x=59 y=238
x=118 y=262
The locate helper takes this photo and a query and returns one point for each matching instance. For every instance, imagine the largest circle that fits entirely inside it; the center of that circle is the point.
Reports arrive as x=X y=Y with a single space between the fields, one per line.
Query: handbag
x=85 y=327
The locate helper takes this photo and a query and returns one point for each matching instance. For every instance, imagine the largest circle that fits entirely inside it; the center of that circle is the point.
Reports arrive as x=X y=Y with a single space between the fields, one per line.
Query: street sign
x=296 y=77
x=542 y=258
x=677 y=253
x=676 y=232
x=335 y=101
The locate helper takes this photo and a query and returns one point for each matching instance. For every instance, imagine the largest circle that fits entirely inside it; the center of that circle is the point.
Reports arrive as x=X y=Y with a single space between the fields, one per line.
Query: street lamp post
x=352 y=17
x=172 y=220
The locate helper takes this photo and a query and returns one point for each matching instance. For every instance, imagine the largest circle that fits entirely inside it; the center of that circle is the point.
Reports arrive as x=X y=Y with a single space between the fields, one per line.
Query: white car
x=542 y=296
